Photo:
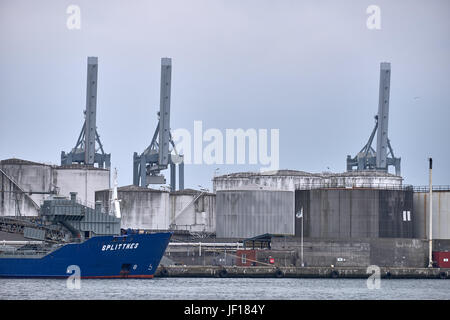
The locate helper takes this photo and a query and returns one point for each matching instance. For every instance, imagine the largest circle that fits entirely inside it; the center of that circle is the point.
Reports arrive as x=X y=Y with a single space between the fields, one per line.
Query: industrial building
x=354 y=252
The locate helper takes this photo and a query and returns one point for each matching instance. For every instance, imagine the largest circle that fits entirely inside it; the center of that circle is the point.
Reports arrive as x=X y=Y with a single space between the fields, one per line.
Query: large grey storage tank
x=140 y=207
x=441 y=212
x=355 y=213
x=245 y=213
x=28 y=184
x=301 y=180
x=193 y=210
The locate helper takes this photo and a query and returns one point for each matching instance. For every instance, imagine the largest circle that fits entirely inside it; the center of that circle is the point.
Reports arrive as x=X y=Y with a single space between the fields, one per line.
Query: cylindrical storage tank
x=27 y=184
x=85 y=180
x=361 y=179
x=441 y=213
x=192 y=210
x=140 y=208
x=300 y=180
x=277 y=180
x=354 y=213
x=245 y=213
x=396 y=214
x=38 y=180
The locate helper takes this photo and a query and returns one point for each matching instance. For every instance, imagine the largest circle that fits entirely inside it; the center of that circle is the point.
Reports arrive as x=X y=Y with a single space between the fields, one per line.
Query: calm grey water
x=224 y=289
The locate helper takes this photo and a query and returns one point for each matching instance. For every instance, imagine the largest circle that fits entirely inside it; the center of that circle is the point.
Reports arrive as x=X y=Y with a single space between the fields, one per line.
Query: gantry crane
x=158 y=156
x=85 y=151
x=383 y=157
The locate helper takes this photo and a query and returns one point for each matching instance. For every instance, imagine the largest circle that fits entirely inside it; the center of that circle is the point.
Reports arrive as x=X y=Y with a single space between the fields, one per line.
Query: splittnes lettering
x=120 y=246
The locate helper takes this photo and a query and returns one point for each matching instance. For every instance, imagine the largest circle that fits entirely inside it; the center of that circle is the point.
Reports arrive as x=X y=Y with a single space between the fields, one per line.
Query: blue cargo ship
x=92 y=242
x=127 y=256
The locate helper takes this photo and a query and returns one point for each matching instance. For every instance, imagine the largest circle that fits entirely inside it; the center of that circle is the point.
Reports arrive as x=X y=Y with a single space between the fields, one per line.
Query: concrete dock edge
x=294 y=272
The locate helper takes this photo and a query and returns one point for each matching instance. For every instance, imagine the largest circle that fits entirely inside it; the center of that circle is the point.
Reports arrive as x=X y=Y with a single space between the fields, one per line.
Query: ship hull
x=102 y=257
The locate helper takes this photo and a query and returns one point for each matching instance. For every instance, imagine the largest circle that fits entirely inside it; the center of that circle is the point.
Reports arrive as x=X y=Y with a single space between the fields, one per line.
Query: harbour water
x=225 y=289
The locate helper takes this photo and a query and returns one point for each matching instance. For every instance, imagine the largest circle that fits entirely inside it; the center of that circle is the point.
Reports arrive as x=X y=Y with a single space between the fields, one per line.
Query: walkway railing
x=435 y=188
x=379 y=186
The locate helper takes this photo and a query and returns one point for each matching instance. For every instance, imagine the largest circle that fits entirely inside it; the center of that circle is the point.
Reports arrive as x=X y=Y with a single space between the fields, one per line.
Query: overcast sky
x=307 y=68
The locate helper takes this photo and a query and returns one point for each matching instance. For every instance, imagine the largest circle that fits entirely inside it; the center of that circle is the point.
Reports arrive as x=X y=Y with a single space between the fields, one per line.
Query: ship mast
x=115 y=202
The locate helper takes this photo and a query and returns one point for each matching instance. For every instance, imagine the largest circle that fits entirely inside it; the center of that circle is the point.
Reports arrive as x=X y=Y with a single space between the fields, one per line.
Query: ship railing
x=24 y=253
x=64 y=200
x=85 y=203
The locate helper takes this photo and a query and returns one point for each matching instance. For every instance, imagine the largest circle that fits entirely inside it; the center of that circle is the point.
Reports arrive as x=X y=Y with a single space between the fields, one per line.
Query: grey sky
x=307 y=68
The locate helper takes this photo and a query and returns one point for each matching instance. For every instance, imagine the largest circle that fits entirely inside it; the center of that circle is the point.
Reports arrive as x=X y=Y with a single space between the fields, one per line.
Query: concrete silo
x=441 y=212
x=140 y=207
x=26 y=184
x=248 y=212
x=193 y=211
